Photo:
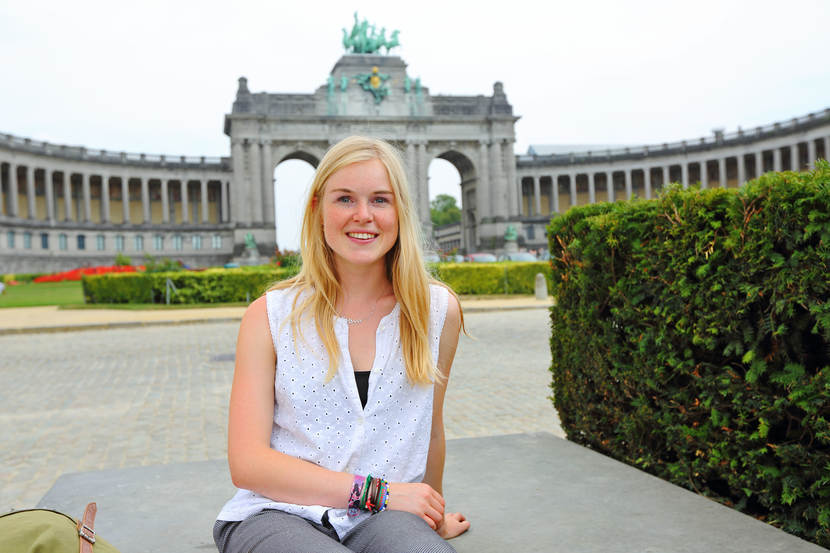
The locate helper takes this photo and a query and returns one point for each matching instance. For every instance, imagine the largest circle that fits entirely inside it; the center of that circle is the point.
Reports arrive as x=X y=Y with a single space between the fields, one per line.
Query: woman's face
x=360 y=217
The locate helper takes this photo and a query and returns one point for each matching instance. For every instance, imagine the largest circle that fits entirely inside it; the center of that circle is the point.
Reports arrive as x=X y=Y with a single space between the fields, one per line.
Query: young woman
x=336 y=435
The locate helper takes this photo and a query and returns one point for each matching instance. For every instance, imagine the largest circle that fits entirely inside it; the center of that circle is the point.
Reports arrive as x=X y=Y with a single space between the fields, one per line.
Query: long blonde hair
x=317 y=282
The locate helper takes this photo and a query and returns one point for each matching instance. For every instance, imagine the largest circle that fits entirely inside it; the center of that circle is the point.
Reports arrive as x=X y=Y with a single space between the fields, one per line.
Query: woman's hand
x=454 y=524
x=419 y=499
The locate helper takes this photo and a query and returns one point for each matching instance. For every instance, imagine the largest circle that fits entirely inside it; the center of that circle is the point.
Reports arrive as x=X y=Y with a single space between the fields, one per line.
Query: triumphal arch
x=370 y=92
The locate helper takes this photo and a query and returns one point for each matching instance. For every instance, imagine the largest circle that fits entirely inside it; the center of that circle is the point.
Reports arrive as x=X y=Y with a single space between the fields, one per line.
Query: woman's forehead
x=368 y=176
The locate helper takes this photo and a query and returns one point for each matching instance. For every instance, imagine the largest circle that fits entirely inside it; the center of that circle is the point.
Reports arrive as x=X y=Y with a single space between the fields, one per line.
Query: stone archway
x=466 y=168
x=292 y=176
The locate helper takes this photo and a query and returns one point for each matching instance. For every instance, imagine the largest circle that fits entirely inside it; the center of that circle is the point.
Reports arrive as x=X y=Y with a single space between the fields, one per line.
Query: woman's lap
x=278 y=532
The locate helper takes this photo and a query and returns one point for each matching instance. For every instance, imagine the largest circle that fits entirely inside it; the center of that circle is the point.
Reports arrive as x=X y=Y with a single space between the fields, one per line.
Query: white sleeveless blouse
x=324 y=422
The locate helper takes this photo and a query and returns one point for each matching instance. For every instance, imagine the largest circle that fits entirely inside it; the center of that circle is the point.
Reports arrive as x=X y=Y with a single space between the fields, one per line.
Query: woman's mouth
x=361 y=235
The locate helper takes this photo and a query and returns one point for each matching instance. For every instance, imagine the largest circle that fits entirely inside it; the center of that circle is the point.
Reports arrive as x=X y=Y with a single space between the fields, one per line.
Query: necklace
x=352 y=322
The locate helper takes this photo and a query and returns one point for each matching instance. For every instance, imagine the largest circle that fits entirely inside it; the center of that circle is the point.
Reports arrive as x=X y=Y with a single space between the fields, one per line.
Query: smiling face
x=359 y=215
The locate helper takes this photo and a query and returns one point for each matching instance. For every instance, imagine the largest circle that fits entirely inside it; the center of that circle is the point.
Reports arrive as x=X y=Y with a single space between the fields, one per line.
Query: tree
x=443 y=210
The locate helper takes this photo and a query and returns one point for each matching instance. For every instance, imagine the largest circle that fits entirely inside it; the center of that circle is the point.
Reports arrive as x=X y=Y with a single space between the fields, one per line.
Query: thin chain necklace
x=352 y=322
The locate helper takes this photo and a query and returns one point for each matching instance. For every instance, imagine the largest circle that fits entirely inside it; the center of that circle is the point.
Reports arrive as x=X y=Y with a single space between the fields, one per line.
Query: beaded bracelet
x=368 y=494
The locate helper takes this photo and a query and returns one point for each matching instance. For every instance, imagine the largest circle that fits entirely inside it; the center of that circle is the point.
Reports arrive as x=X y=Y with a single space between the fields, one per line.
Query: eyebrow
x=350 y=191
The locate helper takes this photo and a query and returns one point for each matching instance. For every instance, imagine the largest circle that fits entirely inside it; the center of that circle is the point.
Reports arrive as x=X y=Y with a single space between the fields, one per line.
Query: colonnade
x=64 y=195
x=555 y=186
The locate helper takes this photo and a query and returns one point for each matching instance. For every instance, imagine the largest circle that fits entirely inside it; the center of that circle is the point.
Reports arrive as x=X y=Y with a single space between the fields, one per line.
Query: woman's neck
x=363 y=284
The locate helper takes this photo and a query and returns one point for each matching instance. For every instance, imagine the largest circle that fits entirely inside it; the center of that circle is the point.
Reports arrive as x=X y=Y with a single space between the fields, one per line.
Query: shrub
x=491 y=278
x=210 y=286
x=691 y=338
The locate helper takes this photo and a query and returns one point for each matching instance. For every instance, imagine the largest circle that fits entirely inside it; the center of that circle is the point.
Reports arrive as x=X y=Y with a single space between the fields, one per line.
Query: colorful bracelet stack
x=368 y=494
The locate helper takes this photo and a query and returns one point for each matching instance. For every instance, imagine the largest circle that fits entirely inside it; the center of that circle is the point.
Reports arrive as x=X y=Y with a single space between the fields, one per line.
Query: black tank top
x=361 y=378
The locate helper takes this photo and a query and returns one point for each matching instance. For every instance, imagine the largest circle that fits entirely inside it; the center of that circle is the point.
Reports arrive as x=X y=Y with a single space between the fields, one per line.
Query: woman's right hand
x=419 y=499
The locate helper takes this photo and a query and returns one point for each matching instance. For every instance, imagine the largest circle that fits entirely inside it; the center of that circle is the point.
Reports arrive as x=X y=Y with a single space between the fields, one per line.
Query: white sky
x=158 y=77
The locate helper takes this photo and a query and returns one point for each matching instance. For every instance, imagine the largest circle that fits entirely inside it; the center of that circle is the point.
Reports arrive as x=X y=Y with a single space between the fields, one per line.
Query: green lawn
x=44 y=293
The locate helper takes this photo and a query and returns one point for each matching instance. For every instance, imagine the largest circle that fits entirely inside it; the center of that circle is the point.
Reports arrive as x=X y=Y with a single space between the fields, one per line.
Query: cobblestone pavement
x=103 y=399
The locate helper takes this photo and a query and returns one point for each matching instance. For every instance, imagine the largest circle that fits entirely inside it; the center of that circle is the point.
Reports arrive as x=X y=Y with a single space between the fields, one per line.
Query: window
x=10 y=239
x=27 y=240
x=197 y=242
x=99 y=242
x=139 y=243
x=217 y=241
x=44 y=241
x=63 y=242
x=177 y=242
x=158 y=242
x=119 y=243
x=81 y=241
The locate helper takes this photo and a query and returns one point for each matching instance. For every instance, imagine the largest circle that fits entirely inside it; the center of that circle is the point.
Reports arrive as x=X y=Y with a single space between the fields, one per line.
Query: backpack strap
x=86 y=533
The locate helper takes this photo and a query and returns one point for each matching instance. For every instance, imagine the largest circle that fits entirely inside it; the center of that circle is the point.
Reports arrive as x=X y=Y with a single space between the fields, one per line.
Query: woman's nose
x=363 y=212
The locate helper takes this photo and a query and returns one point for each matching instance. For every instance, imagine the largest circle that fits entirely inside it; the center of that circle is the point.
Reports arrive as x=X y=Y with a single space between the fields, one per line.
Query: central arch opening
x=452 y=189
x=292 y=179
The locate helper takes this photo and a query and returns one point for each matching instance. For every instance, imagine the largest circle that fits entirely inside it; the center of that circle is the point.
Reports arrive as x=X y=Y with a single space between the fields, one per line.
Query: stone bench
x=521 y=492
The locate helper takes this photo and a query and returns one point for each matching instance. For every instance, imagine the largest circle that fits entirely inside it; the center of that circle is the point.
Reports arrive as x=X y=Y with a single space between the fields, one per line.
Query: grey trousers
x=273 y=531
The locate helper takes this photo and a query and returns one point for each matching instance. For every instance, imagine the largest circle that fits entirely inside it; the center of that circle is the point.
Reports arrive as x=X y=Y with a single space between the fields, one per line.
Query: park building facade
x=67 y=206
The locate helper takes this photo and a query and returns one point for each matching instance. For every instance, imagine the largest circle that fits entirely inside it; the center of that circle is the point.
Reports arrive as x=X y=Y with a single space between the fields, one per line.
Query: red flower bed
x=75 y=274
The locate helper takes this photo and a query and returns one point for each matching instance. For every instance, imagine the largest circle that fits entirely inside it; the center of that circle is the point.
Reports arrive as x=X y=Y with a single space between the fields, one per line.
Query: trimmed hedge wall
x=510 y=277
x=227 y=285
x=210 y=286
x=691 y=338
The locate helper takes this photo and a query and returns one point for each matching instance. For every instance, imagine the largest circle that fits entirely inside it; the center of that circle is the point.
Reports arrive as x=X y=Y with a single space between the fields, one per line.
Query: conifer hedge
x=691 y=338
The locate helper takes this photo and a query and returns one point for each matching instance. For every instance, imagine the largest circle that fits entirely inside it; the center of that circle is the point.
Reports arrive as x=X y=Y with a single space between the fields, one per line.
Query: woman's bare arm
x=452 y=524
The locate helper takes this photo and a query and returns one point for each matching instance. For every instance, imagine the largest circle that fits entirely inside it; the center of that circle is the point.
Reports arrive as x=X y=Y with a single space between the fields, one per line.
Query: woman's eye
x=344 y=199
x=381 y=200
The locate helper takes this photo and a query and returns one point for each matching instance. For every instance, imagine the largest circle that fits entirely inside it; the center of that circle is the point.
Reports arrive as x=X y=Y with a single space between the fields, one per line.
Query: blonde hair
x=317 y=280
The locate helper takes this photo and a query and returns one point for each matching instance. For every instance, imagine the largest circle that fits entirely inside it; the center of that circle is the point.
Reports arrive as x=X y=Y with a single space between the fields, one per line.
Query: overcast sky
x=158 y=77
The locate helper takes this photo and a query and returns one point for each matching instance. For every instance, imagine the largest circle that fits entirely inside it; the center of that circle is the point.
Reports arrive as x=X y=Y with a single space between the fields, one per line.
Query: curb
x=135 y=324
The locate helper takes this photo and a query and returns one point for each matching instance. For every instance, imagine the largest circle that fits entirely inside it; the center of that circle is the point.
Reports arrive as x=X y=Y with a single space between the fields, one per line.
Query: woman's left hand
x=454 y=524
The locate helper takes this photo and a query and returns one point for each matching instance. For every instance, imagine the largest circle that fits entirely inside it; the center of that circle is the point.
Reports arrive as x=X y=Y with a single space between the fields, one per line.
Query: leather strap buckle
x=87 y=533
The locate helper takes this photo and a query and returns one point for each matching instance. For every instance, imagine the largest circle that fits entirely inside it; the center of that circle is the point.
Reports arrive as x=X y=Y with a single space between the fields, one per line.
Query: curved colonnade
x=553 y=183
x=64 y=206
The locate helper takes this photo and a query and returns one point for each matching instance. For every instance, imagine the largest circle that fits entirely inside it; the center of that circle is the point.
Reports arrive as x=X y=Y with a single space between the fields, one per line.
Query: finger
x=435 y=515
x=429 y=521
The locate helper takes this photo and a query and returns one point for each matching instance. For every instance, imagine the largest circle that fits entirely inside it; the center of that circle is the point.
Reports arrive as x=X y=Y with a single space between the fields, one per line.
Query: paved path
x=149 y=395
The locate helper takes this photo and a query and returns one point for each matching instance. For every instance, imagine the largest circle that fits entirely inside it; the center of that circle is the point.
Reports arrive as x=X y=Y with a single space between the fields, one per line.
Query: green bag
x=46 y=531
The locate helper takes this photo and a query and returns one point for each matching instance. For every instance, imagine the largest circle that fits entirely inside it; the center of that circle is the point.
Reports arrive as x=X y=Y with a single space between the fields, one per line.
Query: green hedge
x=20 y=277
x=227 y=285
x=691 y=338
x=491 y=278
x=210 y=286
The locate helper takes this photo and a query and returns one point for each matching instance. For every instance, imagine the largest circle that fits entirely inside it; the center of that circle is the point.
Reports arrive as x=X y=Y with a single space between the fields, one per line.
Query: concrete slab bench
x=522 y=492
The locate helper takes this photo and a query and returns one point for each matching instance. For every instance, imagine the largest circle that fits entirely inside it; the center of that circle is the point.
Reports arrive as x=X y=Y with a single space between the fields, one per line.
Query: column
x=684 y=174
x=105 y=198
x=497 y=199
x=776 y=159
x=203 y=193
x=125 y=199
x=482 y=186
x=629 y=193
x=647 y=182
x=512 y=181
x=423 y=187
x=241 y=181
x=537 y=196
x=827 y=148
x=704 y=174
x=666 y=175
x=48 y=176
x=592 y=191
x=722 y=172
x=30 y=192
x=609 y=183
x=811 y=153
x=67 y=195
x=573 y=189
x=555 y=191
x=741 y=169
x=268 y=183
x=224 y=193
x=145 y=200
x=14 y=208
x=165 y=202
x=794 y=163
x=759 y=164
x=185 y=207
x=85 y=191
x=254 y=150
